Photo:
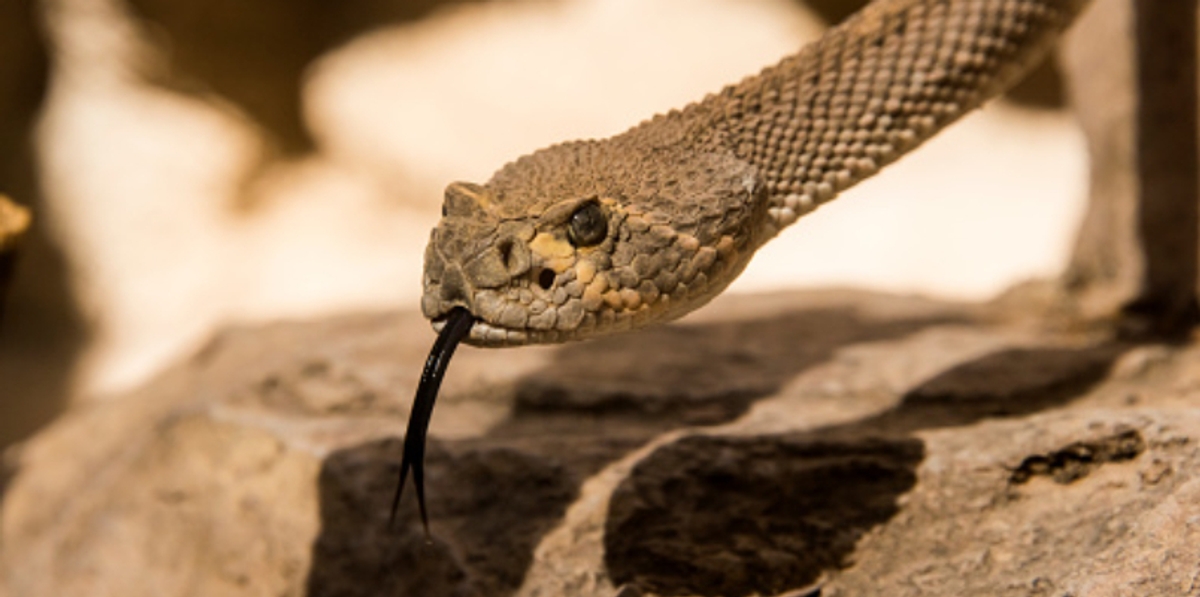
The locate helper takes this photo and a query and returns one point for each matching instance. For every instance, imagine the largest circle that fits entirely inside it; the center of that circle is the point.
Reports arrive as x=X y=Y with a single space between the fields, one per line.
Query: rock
x=831 y=443
x=713 y=515
x=984 y=525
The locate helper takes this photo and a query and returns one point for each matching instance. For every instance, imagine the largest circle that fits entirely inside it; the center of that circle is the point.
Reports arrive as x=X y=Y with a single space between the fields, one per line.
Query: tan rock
x=869 y=444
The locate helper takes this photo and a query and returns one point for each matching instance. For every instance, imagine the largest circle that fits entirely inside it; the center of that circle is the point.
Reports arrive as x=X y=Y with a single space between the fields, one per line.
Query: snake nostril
x=513 y=255
x=546 y=279
x=506 y=252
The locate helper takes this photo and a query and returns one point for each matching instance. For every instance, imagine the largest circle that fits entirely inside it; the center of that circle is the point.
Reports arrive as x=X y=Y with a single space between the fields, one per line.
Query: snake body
x=592 y=237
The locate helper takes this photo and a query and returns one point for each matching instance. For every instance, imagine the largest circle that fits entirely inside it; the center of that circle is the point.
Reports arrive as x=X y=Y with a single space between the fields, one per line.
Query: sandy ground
x=148 y=186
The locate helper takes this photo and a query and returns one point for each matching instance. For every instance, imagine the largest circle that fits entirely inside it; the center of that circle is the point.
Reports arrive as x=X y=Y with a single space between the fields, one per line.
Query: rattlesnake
x=592 y=237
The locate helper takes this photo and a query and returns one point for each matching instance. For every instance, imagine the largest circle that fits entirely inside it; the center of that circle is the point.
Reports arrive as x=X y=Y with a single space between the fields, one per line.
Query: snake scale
x=593 y=237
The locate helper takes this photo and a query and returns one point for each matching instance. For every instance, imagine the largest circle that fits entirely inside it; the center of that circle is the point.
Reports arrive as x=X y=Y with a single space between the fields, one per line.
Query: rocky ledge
x=831 y=443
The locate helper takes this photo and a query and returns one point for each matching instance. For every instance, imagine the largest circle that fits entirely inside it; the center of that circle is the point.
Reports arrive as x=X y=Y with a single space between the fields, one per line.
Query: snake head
x=586 y=239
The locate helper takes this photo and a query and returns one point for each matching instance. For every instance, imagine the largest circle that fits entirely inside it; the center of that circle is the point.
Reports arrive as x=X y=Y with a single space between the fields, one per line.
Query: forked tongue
x=458 y=325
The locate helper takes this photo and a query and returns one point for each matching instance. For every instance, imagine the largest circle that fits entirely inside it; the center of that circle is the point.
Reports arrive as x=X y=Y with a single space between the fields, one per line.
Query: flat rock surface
x=832 y=443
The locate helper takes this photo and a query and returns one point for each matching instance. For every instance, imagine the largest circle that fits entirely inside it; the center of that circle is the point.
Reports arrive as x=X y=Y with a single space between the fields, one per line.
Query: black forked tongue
x=458 y=325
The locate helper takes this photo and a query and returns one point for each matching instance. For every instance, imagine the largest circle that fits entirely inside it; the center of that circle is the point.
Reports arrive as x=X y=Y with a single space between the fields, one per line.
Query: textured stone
x=863 y=444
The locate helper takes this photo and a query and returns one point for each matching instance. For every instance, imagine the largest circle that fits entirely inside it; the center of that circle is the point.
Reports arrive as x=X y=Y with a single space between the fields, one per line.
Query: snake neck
x=868 y=91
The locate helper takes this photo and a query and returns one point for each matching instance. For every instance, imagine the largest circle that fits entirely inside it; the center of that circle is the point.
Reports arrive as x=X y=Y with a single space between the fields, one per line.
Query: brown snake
x=592 y=237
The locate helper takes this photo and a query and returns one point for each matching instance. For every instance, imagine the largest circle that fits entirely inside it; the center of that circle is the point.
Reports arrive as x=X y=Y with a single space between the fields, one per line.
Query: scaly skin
x=687 y=197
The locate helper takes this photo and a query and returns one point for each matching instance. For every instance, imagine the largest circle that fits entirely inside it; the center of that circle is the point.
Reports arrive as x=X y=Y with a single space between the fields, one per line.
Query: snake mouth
x=487 y=334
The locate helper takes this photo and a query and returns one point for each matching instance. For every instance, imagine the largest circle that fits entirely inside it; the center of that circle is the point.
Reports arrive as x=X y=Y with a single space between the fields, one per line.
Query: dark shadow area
x=668 y=377
x=751 y=515
x=833 y=12
x=42 y=332
x=491 y=506
x=1042 y=87
x=1168 y=219
x=492 y=498
x=254 y=54
x=1008 y=383
x=760 y=515
x=8 y=266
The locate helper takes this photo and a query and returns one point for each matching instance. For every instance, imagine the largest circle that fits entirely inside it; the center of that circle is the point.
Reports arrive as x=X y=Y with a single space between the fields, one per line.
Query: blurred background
x=196 y=163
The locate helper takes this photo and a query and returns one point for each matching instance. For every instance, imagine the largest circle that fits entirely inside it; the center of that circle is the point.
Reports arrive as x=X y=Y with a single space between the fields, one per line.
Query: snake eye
x=588 y=225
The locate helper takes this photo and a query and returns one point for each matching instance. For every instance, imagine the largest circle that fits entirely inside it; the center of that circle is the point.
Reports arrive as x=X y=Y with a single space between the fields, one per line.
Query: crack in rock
x=1078 y=459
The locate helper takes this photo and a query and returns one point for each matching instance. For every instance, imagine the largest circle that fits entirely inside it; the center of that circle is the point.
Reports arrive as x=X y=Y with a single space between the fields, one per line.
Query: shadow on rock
x=1006 y=383
x=489 y=508
x=711 y=515
x=684 y=375
x=492 y=498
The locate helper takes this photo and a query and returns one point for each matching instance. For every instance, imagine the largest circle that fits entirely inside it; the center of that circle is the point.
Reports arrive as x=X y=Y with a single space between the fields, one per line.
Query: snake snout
x=498 y=264
x=483 y=277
